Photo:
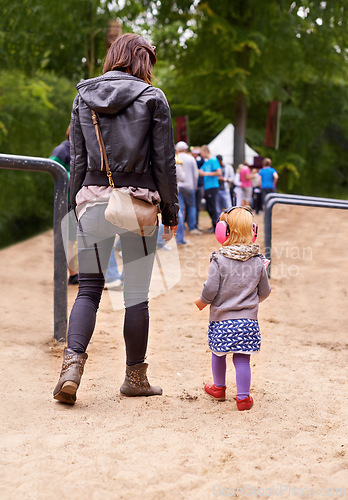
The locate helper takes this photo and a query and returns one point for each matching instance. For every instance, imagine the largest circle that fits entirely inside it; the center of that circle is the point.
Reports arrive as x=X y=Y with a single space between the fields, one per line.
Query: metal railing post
x=60 y=176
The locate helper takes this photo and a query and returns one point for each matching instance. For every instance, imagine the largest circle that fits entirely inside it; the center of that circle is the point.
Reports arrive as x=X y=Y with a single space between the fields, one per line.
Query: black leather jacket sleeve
x=163 y=160
x=78 y=152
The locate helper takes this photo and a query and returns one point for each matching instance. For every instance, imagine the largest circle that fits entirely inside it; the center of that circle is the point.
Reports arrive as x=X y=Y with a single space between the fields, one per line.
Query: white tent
x=223 y=145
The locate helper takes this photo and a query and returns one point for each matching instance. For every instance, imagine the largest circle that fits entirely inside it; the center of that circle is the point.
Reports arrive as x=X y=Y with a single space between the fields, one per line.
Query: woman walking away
x=237 y=282
x=135 y=127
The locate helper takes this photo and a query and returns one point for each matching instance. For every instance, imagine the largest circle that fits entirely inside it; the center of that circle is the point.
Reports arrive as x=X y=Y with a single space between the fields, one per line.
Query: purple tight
x=243 y=374
x=218 y=366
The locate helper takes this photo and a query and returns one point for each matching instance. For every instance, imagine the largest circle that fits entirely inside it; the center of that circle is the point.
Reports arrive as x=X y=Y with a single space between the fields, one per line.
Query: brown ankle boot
x=136 y=382
x=70 y=376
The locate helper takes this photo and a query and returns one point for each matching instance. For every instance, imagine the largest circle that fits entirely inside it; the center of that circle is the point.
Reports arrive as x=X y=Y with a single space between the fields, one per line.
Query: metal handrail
x=270 y=196
x=307 y=201
x=61 y=181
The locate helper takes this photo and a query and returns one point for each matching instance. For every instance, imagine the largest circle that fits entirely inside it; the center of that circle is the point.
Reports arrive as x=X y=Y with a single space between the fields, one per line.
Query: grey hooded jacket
x=136 y=127
x=234 y=288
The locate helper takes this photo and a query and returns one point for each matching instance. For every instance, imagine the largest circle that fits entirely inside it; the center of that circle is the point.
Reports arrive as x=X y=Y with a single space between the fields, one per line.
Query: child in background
x=237 y=281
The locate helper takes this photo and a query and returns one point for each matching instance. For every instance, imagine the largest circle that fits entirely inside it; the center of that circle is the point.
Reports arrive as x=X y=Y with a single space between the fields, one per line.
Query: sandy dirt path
x=183 y=445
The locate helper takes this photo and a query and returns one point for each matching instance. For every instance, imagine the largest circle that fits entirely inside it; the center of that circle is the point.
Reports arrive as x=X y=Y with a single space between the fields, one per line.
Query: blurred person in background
x=196 y=153
x=257 y=199
x=246 y=177
x=269 y=178
x=61 y=154
x=180 y=177
x=187 y=189
x=237 y=189
x=210 y=171
x=223 y=199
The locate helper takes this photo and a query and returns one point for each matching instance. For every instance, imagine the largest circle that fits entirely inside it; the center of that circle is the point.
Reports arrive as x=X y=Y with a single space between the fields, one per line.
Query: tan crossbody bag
x=125 y=209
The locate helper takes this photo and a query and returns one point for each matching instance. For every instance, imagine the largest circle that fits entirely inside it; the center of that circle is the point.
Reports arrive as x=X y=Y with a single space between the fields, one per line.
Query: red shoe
x=217 y=393
x=244 y=404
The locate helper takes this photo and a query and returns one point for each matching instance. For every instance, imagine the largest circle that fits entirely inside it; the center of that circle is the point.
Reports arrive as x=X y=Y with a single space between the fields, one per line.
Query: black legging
x=95 y=242
x=83 y=318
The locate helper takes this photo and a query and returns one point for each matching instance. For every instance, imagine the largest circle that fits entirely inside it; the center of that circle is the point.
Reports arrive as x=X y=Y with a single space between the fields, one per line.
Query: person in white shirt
x=223 y=199
x=187 y=189
x=237 y=187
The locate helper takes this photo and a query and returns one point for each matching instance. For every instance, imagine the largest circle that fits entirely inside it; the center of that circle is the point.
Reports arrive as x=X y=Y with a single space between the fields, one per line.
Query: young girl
x=237 y=282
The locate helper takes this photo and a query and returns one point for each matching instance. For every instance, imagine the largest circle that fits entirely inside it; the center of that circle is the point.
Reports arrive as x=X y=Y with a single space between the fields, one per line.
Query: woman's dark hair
x=133 y=54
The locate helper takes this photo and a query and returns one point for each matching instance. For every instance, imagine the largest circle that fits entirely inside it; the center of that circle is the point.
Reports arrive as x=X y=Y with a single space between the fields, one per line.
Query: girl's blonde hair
x=240 y=223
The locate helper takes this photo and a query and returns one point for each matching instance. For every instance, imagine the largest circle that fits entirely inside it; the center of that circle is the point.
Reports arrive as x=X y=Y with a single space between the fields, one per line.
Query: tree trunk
x=240 y=120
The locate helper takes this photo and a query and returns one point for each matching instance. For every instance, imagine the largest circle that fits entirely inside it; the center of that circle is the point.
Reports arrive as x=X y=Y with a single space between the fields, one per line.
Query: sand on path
x=183 y=445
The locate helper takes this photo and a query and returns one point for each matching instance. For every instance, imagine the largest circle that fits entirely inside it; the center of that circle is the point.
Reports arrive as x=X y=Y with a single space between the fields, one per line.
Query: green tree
x=34 y=116
x=46 y=46
x=218 y=61
x=226 y=60
x=65 y=36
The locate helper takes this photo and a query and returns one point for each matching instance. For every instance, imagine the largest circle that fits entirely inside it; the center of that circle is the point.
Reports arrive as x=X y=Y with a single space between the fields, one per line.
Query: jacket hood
x=112 y=92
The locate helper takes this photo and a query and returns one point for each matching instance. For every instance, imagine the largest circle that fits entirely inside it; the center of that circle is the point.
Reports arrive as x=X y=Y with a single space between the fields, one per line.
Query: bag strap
x=103 y=155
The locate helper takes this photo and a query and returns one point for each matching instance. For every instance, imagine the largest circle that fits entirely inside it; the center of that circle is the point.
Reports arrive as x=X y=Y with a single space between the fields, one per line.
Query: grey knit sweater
x=234 y=288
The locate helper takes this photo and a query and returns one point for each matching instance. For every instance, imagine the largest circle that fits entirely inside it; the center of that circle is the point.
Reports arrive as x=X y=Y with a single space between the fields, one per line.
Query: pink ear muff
x=221 y=231
x=255 y=232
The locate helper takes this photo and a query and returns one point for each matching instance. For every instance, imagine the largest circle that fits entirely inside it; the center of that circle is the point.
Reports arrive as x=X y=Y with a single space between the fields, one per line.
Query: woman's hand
x=201 y=305
x=169 y=232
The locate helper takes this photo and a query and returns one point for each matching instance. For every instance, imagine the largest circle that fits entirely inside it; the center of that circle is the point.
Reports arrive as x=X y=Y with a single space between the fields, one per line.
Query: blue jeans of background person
x=187 y=199
x=160 y=242
x=223 y=201
x=95 y=239
x=180 y=233
x=112 y=273
x=199 y=194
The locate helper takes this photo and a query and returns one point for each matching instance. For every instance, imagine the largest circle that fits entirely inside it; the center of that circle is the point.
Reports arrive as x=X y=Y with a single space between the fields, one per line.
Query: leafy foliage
x=52 y=45
x=35 y=112
x=65 y=36
x=35 y=115
x=212 y=56
x=220 y=53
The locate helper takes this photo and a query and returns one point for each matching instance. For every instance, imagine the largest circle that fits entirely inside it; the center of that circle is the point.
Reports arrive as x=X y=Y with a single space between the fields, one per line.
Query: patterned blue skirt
x=234 y=335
